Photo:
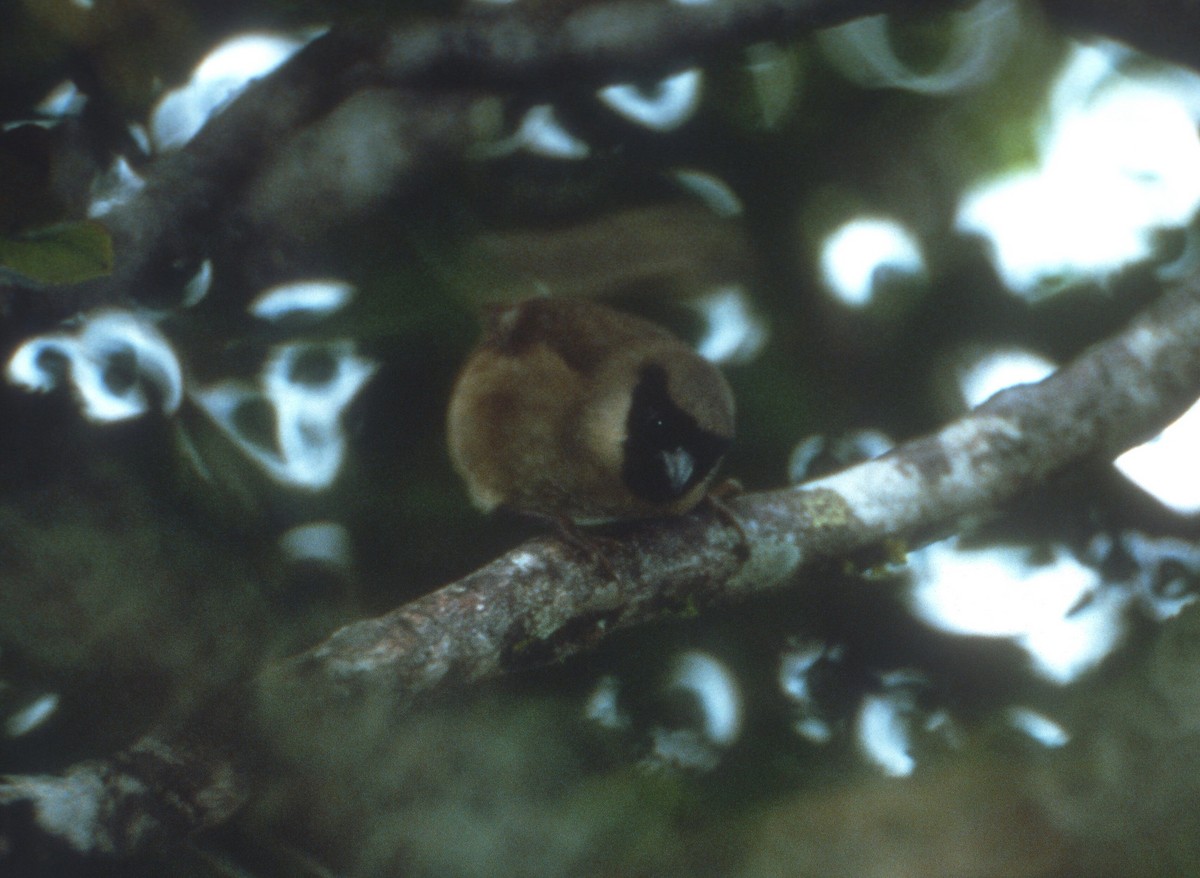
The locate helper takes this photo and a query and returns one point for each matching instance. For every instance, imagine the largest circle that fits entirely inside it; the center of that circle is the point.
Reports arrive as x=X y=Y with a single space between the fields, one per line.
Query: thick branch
x=170 y=223
x=623 y=38
x=544 y=600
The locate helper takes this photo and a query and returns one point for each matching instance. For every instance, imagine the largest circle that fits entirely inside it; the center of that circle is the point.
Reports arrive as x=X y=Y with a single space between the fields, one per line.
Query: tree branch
x=543 y=601
x=171 y=223
x=514 y=51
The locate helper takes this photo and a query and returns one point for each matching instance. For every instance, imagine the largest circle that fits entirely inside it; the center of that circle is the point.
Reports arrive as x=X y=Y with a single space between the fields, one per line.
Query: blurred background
x=872 y=229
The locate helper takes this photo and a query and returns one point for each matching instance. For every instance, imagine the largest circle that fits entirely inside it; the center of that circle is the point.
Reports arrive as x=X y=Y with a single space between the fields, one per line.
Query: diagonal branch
x=543 y=601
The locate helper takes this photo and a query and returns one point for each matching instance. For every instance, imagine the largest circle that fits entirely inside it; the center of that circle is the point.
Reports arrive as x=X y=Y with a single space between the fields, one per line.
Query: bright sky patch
x=1119 y=158
x=858 y=254
x=998 y=370
x=1056 y=611
x=1166 y=466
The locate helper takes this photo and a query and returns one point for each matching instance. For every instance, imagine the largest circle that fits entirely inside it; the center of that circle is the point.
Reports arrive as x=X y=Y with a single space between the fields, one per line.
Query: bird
x=572 y=411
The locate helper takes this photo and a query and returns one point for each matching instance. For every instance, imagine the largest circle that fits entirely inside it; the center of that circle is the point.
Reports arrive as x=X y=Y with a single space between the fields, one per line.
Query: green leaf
x=60 y=254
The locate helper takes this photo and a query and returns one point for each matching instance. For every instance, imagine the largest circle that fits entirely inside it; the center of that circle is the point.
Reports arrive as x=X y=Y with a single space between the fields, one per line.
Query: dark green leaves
x=59 y=254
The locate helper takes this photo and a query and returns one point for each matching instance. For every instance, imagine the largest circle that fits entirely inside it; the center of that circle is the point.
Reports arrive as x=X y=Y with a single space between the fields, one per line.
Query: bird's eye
x=666 y=452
